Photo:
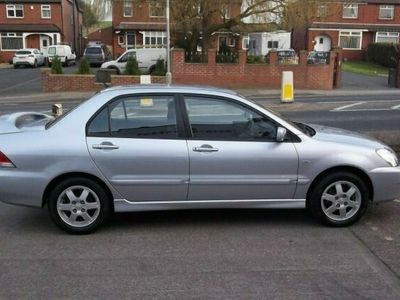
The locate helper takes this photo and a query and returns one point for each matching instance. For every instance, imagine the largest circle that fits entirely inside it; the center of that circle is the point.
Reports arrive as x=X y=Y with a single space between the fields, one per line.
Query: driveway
x=352 y=81
x=24 y=80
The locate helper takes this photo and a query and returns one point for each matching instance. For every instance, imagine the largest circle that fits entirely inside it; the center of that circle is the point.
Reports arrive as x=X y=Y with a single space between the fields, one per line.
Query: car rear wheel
x=339 y=199
x=79 y=205
x=35 y=64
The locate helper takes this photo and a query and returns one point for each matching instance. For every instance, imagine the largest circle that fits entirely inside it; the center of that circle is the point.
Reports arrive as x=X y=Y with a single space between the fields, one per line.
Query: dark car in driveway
x=97 y=54
x=317 y=58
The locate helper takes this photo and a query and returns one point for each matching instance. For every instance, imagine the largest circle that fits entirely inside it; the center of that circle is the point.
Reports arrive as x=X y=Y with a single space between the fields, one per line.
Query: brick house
x=139 y=24
x=38 y=24
x=352 y=25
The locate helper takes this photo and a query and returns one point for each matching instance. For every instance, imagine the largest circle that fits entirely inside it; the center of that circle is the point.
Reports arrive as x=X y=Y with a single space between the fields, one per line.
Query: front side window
x=156 y=8
x=15 y=11
x=128 y=9
x=46 y=12
x=350 y=39
x=386 y=12
x=350 y=11
x=217 y=119
x=142 y=117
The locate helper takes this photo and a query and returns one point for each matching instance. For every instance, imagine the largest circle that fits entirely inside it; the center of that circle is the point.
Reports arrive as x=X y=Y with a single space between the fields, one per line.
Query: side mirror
x=281 y=134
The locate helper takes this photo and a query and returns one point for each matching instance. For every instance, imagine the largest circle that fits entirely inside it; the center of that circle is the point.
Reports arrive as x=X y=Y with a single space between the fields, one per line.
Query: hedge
x=385 y=54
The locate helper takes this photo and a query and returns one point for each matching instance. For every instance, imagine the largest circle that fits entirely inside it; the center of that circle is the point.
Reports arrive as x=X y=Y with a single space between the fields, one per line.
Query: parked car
x=317 y=58
x=63 y=52
x=146 y=58
x=29 y=57
x=97 y=54
x=130 y=148
x=287 y=56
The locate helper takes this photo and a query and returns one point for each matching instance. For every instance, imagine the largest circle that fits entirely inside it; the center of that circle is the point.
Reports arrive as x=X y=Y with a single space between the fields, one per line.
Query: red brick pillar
x=45 y=80
x=273 y=57
x=242 y=57
x=212 y=56
x=336 y=58
x=177 y=62
x=303 y=57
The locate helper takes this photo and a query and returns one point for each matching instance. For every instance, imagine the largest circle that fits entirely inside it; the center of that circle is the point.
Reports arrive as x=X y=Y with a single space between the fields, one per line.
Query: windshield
x=93 y=50
x=23 y=52
x=57 y=119
x=52 y=50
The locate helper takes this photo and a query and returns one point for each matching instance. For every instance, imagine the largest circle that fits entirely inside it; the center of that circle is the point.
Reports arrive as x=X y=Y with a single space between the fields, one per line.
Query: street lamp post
x=168 y=76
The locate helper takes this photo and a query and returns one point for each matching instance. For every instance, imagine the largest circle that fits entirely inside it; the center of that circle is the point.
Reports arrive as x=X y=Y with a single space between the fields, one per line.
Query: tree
x=198 y=20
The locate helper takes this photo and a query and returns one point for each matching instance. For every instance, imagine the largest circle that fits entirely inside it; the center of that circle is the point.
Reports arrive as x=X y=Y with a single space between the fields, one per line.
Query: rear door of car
x=234 y=154
x=138 y=143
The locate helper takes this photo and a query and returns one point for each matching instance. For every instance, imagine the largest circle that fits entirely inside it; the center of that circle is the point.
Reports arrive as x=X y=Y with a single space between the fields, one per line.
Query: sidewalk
x=254 y=93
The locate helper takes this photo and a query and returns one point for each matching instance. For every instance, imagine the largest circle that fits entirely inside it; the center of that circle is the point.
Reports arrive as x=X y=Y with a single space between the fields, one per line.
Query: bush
x=56 y=67
x=385 y=54
x=84 y=66
x=132 y=67
x=160 y=68
x=255 y=59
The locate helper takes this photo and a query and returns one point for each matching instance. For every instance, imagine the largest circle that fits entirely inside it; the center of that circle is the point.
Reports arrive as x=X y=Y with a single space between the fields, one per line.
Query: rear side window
x=52 y=50
x=144 y=117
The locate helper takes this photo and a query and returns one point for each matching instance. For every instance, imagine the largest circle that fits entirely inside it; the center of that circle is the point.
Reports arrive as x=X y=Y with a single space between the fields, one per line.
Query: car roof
x=27 y=49
x=170 y=88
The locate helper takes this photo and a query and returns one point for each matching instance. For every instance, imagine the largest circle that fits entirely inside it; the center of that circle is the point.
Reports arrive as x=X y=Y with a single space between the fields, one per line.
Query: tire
x=339 y=199
x=82 y=213
x=66 y=62
x=115 y=68
x=35 y=64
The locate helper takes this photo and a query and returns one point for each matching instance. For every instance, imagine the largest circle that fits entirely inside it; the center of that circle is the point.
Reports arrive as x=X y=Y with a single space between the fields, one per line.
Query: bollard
x=287 y=95
x=145 y=79
x=57 y=110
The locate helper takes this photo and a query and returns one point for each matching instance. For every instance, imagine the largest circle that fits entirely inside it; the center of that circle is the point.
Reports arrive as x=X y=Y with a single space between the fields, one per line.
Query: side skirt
x=122 y=205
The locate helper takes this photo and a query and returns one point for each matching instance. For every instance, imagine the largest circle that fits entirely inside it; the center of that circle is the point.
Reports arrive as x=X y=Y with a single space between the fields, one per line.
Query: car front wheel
x=339 y=199
x=79 y=205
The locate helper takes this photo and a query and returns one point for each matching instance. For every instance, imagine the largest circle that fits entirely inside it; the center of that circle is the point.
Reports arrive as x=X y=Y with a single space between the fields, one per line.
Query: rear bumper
x=386 y=183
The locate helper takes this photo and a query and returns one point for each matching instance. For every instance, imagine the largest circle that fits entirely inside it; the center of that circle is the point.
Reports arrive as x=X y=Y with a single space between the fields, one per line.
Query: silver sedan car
x=174 y=147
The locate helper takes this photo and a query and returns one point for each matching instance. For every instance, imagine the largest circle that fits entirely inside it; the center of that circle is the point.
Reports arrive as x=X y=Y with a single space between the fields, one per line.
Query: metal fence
x=196 y=57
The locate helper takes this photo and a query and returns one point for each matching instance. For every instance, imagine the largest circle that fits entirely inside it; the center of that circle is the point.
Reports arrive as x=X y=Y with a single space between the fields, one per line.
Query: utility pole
x=168 y=76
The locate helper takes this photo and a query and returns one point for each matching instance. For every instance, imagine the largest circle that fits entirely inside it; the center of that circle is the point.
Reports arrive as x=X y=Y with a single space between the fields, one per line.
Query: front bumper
x=386 y=183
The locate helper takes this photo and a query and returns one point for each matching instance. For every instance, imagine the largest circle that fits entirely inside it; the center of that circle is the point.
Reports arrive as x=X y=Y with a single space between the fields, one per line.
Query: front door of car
x=234 y=154
x=136 y=143
x=121 y=62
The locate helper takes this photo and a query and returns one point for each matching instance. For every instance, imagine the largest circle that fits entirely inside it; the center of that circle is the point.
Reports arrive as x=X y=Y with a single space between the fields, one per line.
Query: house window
x=350 y=11
x=121 y=40
x=386 y=12
x=128 y=9
x=11 y=41
x=46 y=12
x=350 y=39
x=322 y=11
x=387 y=37
x=226 y=12
x=15 y=11
x=153 y=39
x=156 y=8
x=245 y=42
x=273 y=44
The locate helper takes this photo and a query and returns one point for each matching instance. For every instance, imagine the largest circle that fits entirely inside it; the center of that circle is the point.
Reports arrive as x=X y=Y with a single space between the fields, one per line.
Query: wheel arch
x=350 y=169
x=65 y=176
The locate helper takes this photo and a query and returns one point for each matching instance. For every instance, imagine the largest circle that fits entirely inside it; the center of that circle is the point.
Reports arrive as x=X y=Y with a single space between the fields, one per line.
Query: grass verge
x=365 y=68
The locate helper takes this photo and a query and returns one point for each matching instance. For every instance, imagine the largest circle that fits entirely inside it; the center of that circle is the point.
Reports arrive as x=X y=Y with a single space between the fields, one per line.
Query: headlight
x=389 y=156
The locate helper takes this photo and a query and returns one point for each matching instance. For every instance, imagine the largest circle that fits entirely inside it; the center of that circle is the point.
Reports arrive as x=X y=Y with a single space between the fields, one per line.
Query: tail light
x=5 y=162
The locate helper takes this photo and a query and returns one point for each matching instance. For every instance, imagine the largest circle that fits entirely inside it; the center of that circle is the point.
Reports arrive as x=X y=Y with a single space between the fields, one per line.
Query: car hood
x=343 y=136
x=23 y=121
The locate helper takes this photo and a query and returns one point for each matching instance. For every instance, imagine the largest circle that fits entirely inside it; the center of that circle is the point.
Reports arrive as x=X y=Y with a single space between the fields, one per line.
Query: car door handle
x=105 y=146
x=205 y=148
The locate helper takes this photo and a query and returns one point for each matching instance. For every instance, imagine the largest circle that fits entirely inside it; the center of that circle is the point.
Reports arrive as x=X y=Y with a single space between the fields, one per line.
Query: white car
x=29 y=57
x=146 y=58
x=63 y=52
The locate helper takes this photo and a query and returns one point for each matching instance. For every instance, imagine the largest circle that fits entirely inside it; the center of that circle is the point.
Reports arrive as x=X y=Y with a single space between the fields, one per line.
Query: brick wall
x=68 y=82
x=243 y=75
x=73 y=82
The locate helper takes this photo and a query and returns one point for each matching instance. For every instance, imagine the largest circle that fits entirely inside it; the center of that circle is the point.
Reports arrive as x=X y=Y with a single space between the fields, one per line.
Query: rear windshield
x=23 y=52
x=93 y=50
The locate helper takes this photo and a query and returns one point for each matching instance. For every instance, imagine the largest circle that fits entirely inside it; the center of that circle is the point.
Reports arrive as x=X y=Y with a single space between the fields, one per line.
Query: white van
x=63 y=52
x=146 y=58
